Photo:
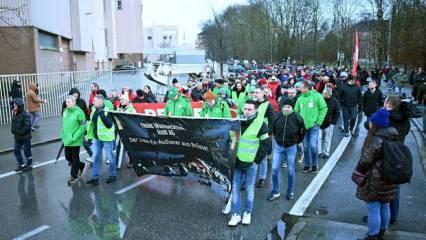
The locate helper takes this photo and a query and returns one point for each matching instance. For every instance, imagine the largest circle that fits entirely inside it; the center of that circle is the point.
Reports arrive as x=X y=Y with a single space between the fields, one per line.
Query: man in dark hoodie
x=15 y=92
x=21 y=130
x=372 y=99
x=350 y=98
x=83 y=106
x=288 y=130
x=330 y=120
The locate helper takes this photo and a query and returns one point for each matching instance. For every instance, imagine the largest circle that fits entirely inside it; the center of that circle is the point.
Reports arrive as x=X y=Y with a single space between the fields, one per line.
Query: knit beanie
x=380 y=118
x=209 y=96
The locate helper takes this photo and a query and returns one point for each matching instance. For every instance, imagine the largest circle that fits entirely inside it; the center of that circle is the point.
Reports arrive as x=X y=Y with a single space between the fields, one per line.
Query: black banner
x=180 y=146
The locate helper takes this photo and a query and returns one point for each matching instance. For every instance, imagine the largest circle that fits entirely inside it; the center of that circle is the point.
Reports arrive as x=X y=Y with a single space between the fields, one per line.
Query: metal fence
x=53 y=87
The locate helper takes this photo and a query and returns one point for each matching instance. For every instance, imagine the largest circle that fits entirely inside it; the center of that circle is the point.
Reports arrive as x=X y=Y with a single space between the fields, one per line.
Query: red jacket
x=273 y=99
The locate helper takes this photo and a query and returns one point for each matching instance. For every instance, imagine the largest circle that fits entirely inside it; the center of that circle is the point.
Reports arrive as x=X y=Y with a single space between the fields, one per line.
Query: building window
x=119 y=4
x=47 y=41
x=149 y=38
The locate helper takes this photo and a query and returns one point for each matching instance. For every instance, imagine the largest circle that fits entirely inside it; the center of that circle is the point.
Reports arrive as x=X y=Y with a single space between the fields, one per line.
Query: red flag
x=355 y=56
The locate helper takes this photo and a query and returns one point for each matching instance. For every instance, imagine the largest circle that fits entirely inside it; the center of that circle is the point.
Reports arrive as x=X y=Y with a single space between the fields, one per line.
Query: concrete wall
x=110 y=26
x=52 y=16
x=81 y=25
x=129 y=27
x=17 y=50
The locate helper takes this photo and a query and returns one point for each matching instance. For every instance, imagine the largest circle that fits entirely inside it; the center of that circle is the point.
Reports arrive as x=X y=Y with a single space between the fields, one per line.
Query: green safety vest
x=241 y=99
x=249 y=142
x=261 y=111
x=104 y=134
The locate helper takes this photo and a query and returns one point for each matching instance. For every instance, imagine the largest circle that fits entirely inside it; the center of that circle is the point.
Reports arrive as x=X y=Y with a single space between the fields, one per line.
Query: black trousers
x=72 y=154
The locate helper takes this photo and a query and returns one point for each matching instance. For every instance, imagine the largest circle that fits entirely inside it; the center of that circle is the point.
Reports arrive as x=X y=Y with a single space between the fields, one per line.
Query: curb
x=7 y=150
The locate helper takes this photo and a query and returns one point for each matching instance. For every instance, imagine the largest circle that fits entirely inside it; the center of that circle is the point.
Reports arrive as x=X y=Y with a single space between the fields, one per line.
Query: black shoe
x=72 y=180
x=382 y=234
x=314 y=169
x=111 y=179
x=28 y=168
x=261 y=183
x=20 y=168
x=93 y=182
x=321 y=155
x=365 y=219
x=307 y=169
x=325 y=156
x=392 y=221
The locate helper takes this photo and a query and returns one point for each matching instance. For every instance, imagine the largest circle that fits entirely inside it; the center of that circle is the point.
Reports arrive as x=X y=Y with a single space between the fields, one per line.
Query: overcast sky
x=187 y=14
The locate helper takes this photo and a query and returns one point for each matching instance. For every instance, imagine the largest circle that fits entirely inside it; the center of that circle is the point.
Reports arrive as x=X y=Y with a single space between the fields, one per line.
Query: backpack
x=397 y=162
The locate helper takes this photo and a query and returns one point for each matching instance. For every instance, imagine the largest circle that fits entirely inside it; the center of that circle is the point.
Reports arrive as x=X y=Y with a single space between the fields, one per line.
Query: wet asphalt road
x=161 y=208
x=171 y=208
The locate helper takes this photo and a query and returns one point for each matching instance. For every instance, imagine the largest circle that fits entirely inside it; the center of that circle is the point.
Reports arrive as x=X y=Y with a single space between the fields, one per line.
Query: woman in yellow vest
x=253 y=145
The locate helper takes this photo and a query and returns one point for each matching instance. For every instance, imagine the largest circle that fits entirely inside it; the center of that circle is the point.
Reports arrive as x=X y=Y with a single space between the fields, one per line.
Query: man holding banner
x=253 y=146
x=102 y=131
x=177 y=105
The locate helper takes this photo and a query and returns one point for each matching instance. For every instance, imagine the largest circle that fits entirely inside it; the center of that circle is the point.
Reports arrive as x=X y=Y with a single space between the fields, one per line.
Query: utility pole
x=388 y=59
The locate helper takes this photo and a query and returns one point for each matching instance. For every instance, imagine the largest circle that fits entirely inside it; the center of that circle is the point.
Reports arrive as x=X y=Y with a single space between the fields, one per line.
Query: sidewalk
x=49 y=131
x=313 y=228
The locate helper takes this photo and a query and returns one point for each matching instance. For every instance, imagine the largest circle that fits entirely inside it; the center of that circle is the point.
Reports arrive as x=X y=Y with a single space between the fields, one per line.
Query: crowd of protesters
x=290 y=111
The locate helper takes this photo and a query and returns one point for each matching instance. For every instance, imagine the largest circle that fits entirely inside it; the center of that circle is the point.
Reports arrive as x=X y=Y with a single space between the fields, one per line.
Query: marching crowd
x=290 y=113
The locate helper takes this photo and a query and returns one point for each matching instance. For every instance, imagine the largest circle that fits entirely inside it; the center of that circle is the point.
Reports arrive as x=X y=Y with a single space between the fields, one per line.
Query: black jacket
x=264 y=145
x=399 y=119
x=16 y=90
x=288 y=129
x=151 y=97
x=371 y=102
x=333 y=112
x=21 y=122
x=197 y=95
x=350 y=95
x=79 y=103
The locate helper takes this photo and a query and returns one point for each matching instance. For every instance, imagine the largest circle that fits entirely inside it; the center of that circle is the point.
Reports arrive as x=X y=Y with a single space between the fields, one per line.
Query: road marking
x=130 y=187
x=32 y=232
x=311 y=191
x=11 y=173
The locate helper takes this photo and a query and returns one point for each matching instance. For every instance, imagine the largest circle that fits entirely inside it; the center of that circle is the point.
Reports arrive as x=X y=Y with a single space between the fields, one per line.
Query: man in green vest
x=214 y=108
x=239 y=96
x=101 y=130
x=267 y=113
x=74 y=124
x=253 y=146
x=177 y=105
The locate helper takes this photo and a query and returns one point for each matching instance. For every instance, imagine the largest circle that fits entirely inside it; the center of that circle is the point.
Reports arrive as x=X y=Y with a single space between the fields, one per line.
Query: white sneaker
x=235 y=220
x=246 y=218
x=89 y=159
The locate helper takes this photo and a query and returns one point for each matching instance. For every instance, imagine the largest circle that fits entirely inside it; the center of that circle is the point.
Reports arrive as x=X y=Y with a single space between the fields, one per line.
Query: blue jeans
x=35 y=117
x=27 y=151
x=97 y=154
x=250 y=179
x=279 y=153
x=378 y=217
x=394 y=205
x=263 y=168
x=310 y=146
